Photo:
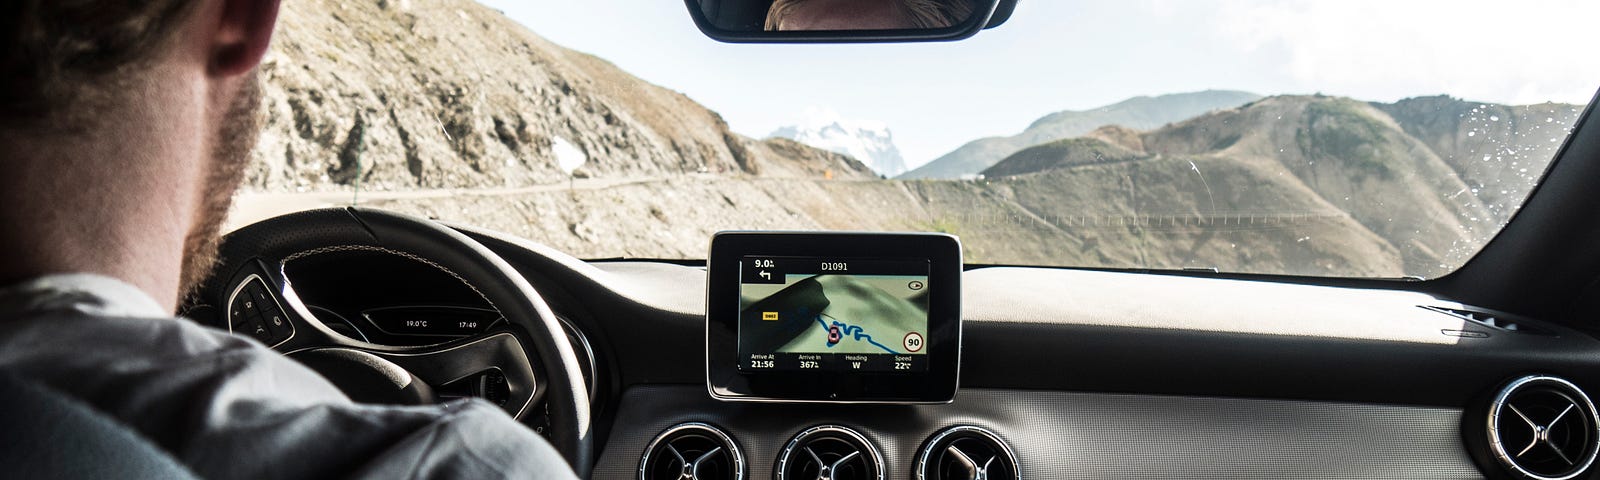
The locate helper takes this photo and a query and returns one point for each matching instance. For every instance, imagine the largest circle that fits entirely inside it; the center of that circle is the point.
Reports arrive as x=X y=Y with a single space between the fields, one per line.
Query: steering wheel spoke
x=493 y=366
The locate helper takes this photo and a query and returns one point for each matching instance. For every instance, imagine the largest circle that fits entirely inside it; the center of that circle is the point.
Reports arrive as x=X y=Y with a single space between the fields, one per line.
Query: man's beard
x=230 y=154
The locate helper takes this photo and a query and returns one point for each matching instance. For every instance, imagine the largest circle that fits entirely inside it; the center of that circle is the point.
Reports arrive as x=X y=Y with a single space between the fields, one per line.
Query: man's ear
x=242 y=36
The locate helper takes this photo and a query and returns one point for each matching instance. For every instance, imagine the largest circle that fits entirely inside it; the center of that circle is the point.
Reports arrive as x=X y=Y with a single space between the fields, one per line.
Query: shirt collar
x=80 y=292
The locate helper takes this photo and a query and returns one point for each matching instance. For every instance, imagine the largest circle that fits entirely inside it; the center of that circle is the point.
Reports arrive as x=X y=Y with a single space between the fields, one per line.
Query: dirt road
x=251 y=207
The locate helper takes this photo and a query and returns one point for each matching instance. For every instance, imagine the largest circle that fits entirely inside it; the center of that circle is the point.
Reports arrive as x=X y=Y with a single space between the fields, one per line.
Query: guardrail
x=1175 y=221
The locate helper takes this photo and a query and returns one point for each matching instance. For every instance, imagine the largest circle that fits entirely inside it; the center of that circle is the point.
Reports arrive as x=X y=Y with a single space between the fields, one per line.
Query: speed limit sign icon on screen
x=913 y=342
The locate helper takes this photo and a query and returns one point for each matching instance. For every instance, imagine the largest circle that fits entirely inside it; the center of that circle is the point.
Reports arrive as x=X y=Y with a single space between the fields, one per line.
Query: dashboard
x=1062 y=373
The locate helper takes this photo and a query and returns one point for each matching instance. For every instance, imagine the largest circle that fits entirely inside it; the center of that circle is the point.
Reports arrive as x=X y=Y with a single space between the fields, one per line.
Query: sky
x=1058 y=55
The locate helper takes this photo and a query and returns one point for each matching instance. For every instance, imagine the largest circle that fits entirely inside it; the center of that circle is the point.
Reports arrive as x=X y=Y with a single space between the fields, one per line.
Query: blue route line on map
x=847 y=329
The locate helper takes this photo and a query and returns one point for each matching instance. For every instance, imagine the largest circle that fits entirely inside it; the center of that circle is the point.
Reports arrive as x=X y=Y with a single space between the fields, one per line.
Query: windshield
x=1358 y=138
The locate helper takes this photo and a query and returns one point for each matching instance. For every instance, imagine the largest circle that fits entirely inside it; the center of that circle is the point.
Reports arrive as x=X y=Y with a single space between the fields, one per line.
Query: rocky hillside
x=1428 y=201
x=1137 y=112
x=402 y=94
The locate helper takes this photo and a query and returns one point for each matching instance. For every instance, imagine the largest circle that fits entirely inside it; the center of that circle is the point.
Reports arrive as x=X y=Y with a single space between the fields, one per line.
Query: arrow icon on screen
x=765 y=275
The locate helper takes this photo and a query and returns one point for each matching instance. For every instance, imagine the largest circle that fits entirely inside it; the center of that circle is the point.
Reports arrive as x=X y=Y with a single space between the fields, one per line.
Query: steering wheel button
x=257 y=295
x=492 y=387
x=250 y=325
x=241 y=319
x=280 y=331
x=276 y=324
x=274 y=317
x=258 y=292
x=238 y=310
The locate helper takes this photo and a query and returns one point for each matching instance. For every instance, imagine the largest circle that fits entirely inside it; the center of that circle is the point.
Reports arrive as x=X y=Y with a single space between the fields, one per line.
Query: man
x=866 y=14
x=125 y=127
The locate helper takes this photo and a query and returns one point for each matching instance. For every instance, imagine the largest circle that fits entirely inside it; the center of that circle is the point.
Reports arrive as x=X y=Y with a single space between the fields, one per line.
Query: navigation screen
x=833 y=314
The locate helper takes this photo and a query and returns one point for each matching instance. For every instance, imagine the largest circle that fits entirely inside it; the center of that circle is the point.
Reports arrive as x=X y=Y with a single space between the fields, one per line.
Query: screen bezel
x=726 y=381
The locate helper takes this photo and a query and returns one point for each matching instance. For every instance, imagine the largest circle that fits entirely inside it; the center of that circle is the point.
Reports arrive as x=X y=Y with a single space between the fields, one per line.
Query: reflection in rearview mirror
x=845 y=20
x=807 y=15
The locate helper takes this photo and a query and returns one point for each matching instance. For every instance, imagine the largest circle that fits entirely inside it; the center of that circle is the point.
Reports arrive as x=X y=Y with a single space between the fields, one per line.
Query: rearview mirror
x=843 y=21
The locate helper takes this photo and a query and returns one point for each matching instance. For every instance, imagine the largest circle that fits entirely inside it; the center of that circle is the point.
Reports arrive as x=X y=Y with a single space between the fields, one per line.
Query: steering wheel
x=499 y=364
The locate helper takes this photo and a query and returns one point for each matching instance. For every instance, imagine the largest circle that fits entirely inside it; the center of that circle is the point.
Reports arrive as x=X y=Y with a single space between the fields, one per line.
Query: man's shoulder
x=86 y=347
x=150 y=369
x=228 y=406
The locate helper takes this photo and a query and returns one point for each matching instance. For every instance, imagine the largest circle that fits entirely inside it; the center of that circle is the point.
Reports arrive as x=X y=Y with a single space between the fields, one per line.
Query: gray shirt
x=228 y=407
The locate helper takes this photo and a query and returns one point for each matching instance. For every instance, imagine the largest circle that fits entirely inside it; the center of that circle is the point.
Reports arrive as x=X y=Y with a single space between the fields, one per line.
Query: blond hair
x=922 y=13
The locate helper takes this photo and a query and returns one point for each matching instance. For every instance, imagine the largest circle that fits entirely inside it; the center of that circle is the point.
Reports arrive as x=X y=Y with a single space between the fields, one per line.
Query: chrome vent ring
x=692 y=451
x=967 y=452
x=1543 y=428
x=830 y=452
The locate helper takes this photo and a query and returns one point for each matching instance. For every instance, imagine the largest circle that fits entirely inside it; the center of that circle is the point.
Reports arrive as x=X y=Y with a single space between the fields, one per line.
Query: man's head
x=866 y=14
x=125 y=127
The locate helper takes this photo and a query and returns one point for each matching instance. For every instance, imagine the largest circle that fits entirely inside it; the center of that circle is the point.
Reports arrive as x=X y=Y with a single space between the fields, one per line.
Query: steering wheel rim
x=262 y=249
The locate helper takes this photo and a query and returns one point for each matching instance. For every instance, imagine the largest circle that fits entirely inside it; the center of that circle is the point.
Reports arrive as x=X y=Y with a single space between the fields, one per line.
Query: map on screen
x=798 y=315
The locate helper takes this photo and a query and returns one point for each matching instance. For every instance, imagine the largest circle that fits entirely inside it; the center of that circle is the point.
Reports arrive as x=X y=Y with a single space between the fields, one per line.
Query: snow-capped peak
x=868 y=141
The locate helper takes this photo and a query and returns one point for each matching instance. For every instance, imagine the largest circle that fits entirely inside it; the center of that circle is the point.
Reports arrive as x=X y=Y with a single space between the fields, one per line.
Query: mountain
x=398 y=94
x=1315 y=156
x=1138 y=112
x=870 y=142
x=1499 y=151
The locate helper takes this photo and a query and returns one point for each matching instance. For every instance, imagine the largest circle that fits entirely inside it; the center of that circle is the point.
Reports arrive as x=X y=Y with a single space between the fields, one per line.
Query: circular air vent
x=692 y=451
x=830 y=452
x=1543 y=428
x=967 y=453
